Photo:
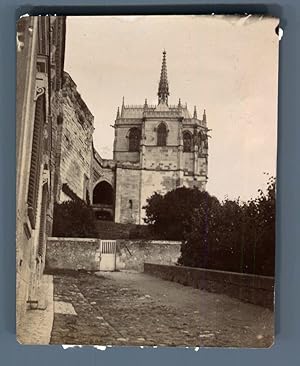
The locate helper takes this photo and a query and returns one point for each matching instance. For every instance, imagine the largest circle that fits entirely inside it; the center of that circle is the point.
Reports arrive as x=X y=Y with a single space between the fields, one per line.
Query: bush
x=74 y=219
x=171 y=215
x=231 y=235
x=145 y=232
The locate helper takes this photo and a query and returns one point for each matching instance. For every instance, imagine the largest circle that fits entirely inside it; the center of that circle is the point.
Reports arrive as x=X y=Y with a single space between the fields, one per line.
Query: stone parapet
x=258 y=290
x=73 y=254
x=132 y=254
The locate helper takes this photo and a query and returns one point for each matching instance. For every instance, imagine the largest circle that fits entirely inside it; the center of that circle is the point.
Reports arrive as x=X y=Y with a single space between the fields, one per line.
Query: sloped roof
x=140 y=111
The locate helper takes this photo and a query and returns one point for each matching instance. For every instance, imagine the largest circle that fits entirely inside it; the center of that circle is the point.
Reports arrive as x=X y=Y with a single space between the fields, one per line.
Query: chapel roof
x=162 y=109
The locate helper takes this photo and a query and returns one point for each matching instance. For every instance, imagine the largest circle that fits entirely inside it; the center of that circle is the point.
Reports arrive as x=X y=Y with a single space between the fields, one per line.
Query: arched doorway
x=103 y=201
x=103 y=194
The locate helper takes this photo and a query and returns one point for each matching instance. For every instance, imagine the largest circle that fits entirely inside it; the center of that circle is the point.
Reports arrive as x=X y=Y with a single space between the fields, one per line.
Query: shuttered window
x=36 y=160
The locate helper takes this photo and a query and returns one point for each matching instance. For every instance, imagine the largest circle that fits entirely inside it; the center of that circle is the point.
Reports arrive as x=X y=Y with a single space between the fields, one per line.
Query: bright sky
x=227 y=65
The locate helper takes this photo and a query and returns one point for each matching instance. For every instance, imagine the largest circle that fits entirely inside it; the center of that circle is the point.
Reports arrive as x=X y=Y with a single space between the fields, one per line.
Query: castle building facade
x=157 y=148
x=74 y=148
x=40 y=61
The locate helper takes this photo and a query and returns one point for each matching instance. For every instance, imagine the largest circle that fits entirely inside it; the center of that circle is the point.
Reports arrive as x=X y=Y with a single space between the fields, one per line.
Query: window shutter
x=36 y=160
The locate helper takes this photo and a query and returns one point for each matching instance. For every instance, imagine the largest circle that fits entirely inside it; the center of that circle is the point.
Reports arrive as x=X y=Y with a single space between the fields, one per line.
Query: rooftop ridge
x=135 y=106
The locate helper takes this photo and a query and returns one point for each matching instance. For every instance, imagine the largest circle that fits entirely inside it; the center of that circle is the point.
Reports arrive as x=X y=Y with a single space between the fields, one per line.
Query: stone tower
x=157 y=148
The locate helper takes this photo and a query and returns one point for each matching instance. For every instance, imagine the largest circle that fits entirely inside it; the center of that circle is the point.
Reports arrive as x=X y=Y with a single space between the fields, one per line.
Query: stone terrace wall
x=258 y=290
x=132 y=254
x=84 y=254
x=72 y=254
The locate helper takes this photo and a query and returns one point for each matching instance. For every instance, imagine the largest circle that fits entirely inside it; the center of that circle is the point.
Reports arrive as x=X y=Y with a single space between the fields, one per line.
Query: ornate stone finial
x=123 y=106
x=195 y=112
x=163 y=87
x=146 y=103
x=204 y=116
x=118 y=113
x=179 y=103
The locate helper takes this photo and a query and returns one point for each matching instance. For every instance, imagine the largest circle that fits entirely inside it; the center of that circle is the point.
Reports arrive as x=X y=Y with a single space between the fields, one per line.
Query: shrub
x=74 y=219
x=145 y=232
x=230 y=235
x=171 y=215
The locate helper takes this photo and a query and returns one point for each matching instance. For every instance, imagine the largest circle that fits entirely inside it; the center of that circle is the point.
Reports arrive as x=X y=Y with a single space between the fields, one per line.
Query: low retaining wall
x=258 y=290
x=72 y=254
x=132 y=254
x=84 y=254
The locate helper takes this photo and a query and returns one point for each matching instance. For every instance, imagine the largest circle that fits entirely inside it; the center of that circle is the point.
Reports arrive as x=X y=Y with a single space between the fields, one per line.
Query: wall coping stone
x=53 y=238
x=255 y=289
x=158 y=242
x=249 y=275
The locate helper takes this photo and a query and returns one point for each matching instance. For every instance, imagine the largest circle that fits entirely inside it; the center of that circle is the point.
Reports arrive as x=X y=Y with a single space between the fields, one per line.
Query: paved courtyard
x=123 y=308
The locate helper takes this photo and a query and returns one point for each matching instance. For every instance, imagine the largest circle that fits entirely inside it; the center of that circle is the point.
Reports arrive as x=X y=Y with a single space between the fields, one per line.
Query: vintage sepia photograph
x=146 y=180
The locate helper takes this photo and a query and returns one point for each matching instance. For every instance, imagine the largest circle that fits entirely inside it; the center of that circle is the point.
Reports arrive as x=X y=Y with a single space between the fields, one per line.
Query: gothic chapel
x=157 y=148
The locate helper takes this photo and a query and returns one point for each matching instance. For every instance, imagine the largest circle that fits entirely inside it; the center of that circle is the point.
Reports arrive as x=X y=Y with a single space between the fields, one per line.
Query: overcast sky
x=227 y=65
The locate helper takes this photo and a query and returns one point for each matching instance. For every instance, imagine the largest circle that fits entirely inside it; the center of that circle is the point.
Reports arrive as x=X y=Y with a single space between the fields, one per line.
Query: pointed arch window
x=162 y=135
x=187 y=141
x=134 y=139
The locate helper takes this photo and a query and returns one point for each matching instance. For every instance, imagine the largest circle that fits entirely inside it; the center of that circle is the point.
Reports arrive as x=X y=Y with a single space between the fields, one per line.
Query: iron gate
x=108 y=255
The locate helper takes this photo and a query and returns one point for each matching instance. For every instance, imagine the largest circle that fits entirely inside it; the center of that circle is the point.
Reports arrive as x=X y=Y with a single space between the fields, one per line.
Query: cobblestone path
x=124 y=308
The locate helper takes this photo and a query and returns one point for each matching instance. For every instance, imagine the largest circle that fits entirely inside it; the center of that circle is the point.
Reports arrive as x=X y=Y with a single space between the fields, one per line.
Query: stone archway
x=103 y=193
x=103 y=201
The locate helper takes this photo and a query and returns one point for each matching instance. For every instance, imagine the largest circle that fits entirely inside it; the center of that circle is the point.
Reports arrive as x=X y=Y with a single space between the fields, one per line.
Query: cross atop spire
x=163 y=87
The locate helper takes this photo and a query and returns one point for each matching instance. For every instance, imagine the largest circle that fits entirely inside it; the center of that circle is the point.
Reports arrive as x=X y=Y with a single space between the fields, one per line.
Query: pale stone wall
x=75 y=142
x=132 y=254
x=130 y=156
x=72 y=254
x=127 y=200
x=121 y=146
x=188 y=161
x=161 y=158
x=203 y=171
x=26 y=59
x=83 y=254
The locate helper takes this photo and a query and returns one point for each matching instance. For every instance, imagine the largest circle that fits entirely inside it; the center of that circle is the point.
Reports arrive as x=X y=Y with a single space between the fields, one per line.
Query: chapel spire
x=163 y=87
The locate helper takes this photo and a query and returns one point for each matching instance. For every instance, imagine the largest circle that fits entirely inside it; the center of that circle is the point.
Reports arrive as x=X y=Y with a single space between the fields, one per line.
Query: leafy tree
x=171 y=214
x=229 y=235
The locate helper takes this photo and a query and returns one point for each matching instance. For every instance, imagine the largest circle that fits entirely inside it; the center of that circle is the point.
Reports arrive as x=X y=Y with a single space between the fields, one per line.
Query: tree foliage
x=229 y=235
x=74 y=219
x=171 y=215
